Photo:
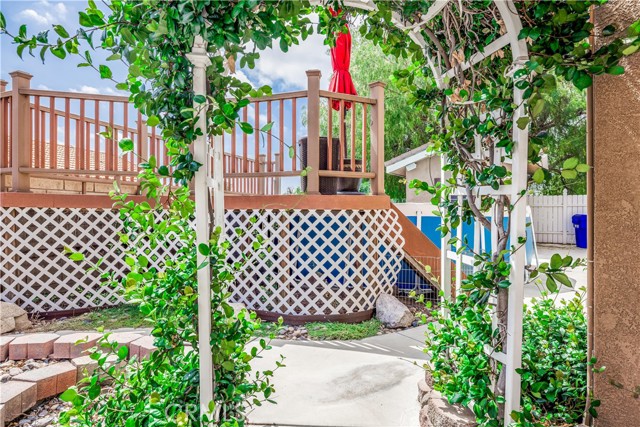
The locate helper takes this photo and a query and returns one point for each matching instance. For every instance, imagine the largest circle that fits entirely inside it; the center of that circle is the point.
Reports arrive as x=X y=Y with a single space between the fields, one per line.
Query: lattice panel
x=315 y=262
x=38 y=276
x=311 y=262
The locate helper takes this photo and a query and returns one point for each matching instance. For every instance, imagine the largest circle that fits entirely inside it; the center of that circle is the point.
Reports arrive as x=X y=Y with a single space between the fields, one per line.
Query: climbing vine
x=152 y=38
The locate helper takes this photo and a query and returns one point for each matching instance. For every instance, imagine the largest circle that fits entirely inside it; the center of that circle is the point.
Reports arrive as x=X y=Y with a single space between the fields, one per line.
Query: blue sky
x=284 y=72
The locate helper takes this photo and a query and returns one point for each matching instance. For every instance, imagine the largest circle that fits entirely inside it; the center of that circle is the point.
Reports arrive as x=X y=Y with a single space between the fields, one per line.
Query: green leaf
x=582 y=80
x=3 y=21
x=105 y=72
x=61 y=31
x=523 y=122
x=538 y=176
x=126 y=145
x=68 y=395
x=582 y=168
x=569 y=174
x=84 y=20
x=59 y=52
x=153 y=121
x=538 y=108
x=556 y=261
x=199 y=99
x=76 y=256
x=267 y=127
x=246 y=127
x=570 y=163
x=631 y=49
x=228 y=365
x=615 y=70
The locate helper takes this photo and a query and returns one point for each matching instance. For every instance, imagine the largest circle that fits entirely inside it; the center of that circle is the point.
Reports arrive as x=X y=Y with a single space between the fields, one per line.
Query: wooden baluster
x=330 y=134
x=67 y=133
x=125 y=130
x=3 y=136
x=294 y=136
x=96 y=137
x=153 y=149
x=269 y=137
x=36 y=132
x=353 y=136
x=112 y=142
x=281 y=135
x=80 y=142
x=53 y=134
x=233 y=149
x=256 y=125
x=43 y=139
x=245 y=154
x=377 y=137
x=364 y=137
x=87 y=145
x=343 y=144
x=313 y=131
x=77 y=158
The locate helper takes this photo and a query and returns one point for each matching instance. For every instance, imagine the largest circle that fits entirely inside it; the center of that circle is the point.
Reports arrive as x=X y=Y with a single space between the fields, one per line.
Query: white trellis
x=511 y=359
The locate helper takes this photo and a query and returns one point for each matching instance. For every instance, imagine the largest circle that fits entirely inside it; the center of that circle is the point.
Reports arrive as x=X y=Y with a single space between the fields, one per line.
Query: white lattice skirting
x=311 y=262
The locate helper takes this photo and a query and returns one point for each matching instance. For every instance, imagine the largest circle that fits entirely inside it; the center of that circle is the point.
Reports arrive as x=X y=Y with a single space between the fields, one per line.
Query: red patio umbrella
x=341 y=81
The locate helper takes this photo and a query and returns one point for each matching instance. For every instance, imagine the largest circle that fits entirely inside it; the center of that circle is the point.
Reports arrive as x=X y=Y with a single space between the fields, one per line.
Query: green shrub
x=554 y=361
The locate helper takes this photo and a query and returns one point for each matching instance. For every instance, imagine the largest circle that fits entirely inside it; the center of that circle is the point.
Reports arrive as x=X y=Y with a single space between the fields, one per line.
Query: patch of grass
x=123 y=316
x=266 y=329
x=343 y=331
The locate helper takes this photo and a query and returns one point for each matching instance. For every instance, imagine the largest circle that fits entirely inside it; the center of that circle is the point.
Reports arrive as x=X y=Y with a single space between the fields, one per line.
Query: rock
x=12 y=317
x=4 y=378
x=392 y=313
x=8 y=309
x=22 y=323
x=7 y=325
x=15 y=371
x=42 y=422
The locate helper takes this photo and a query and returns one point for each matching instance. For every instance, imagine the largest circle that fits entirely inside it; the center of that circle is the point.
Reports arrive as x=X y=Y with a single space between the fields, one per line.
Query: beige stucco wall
x=426 y=170
x=617 y=231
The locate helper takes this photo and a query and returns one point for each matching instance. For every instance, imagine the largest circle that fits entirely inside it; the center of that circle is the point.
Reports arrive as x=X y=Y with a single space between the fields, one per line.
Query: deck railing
x=67 y=136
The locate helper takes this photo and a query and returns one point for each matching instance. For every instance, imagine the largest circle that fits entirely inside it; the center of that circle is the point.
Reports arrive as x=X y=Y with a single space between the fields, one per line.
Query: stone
x=8 y=309
x=15 y=371
x=423 y=391
x=437 y=412
x=123 y=338
x=392 y=313
x=2 y=417
x=4 y=348
x=22 y=323
x=32 y=346
x=43 y=421
x=74 y=345
x=4 y=378
x=7 y=325
x=17 y=397
x=142 y=347
x=51 y=380
x=85 y=365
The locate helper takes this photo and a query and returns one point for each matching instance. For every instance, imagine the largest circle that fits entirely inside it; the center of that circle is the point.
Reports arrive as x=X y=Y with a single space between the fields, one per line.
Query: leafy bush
x=554 y=361
x=163 y=390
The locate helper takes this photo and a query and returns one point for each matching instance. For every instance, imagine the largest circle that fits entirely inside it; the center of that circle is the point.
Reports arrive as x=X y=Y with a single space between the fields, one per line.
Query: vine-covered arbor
x=508 y=22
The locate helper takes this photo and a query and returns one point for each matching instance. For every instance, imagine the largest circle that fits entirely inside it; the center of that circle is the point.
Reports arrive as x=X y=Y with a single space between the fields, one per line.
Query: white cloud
x=43 y=87
x=45 y=13
x=91 y=90
x=288 y=69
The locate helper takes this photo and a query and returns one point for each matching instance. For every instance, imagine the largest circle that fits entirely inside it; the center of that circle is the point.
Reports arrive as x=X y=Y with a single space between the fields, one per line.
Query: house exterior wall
x=616 y=268
x=426 y=170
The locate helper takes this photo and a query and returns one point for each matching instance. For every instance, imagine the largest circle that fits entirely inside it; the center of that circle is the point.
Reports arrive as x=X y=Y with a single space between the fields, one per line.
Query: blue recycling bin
x=580 y=224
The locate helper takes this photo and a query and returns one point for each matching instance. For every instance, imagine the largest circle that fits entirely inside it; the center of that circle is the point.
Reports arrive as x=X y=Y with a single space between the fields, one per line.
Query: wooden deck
x=67 y=143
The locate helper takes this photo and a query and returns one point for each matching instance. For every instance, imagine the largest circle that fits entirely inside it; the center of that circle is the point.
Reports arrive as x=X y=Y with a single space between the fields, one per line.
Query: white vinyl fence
x=552 y=217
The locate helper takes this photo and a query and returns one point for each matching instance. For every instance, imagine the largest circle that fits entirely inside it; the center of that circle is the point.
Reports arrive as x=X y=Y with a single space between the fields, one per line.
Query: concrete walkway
x=372 y=382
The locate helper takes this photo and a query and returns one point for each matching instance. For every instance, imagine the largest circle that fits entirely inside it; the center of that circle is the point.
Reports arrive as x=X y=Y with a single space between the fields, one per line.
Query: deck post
x=262 y=180
x=20 y=131
x=313 y=131
x=201 y=61
x=3 y=85
x=376 y=90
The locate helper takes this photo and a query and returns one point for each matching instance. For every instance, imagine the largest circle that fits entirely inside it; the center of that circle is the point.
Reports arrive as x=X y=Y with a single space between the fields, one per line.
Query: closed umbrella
x=341 y=81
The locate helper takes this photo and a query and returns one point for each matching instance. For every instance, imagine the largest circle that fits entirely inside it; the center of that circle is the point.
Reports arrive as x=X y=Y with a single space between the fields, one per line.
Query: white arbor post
x=201 y=61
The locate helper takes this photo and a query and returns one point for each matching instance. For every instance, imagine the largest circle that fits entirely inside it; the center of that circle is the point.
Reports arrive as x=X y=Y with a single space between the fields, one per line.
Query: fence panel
x=551 y=217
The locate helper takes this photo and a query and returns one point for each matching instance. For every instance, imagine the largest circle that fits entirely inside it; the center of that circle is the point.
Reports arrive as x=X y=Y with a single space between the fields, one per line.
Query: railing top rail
x=74 y=95
x=346 y=97
x=6 y=94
